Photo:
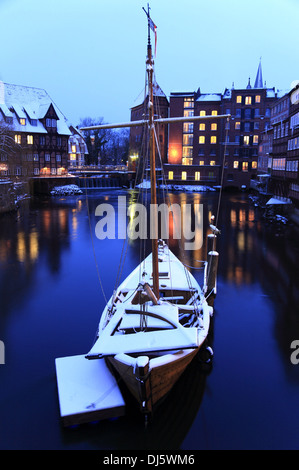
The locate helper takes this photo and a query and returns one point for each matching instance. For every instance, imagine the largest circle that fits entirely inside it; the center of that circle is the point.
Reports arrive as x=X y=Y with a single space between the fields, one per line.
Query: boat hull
x=150 y=390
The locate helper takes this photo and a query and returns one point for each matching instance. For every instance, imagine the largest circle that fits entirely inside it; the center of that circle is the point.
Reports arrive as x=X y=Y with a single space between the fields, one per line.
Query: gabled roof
x=32 y=104
x=157 y=92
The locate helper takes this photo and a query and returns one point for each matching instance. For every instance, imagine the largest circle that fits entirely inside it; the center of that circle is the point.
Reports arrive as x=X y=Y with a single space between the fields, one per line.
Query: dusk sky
x=89 y=55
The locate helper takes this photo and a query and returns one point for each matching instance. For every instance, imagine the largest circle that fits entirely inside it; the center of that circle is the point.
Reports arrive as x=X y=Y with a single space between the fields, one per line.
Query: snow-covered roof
x=20 y=101
x=209 y=97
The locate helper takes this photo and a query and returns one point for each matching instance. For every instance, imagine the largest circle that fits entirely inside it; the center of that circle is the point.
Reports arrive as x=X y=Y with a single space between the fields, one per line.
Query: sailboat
x=158 y=318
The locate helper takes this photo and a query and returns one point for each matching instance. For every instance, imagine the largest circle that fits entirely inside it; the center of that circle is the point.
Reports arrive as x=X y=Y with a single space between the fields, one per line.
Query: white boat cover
x=145 y=342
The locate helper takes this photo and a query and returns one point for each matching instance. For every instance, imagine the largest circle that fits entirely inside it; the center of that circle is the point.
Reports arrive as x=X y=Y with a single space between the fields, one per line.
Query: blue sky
x=90 y=54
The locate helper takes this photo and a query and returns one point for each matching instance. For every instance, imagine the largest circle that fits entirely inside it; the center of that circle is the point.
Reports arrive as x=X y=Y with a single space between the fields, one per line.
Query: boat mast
x=151 y=124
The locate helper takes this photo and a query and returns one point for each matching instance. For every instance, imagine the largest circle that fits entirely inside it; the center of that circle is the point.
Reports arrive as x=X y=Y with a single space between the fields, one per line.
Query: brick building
x=139 y=135
x=196 y=150
x=283 y=158
x=37 y=130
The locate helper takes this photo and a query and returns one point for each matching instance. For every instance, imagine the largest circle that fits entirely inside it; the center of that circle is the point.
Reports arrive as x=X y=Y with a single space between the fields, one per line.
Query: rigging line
x=220 y=194
x=92 y=242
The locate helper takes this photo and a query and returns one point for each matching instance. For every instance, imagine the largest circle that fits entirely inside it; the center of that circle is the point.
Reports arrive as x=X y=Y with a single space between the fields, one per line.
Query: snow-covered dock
x=87 y=391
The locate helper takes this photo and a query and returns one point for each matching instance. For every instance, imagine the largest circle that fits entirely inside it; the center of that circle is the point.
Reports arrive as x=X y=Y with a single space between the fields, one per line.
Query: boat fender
x=206 y=356
x=211 y=311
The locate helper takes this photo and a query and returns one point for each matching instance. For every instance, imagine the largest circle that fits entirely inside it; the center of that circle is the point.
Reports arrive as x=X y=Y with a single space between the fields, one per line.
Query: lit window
x=246 y=139
x=30 y=139
x=212 y=163
x=188 y=127
x=213 y=139
x=254 y=165
x=202 y=127
x=236 y=164
x=202 y=113
x=187 y=161
x=35 y=157
x=257 y=98
x=22 y=121
x=239 y=99
x=72 y=157
x=188 y=113
x=17 y=139
x=214 y=126
x=170 y=175
x=247 y=99
x=237 y=125
x=245 y=166
x=201 y=139
x=201 y=162
x=184 y=175
x=214 y=113
x=255 y=139
x=197 y=176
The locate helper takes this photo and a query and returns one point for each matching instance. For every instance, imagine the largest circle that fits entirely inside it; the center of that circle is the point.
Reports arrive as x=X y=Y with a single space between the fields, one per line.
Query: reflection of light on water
x=21 y=247
x=33 y=246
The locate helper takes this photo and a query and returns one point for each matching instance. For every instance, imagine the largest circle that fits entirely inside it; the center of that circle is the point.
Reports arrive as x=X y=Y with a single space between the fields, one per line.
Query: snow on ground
x=178 y=187
x=67 y=190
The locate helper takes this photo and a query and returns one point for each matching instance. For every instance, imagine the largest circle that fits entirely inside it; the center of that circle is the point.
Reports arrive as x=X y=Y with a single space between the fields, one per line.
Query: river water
x=54 y=274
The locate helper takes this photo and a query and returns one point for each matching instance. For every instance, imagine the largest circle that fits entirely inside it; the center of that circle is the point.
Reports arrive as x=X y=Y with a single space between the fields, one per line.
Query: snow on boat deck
x=87 y=391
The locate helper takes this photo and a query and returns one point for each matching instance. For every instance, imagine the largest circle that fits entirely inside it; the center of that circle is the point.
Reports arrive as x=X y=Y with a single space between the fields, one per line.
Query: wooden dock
x=87 y=391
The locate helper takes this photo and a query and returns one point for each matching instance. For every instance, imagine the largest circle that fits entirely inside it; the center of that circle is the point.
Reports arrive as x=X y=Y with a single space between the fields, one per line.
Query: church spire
x=259 y=77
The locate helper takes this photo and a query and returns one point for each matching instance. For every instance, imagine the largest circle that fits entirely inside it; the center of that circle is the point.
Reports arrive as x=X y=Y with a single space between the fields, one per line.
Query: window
x=245 y=166
x=201 y=162
x=54 y=122
x=254 y=165
x=214 y=113
x=202 y=127
x=58 y=157
x=213 y=139
x=47 y=157
x=255 y=139
x=237 y=125
x=187 y=140
x=170 y=175
x=48 y=122
x=17 y=139
x=184 y=175
x=256 y=112
x=187 y=151
x=257 y=126
x=34 y=122
x=188 y=127
x=58 y=141
x=30 y=139
x=42 y=140
x=246 y=140
x=257 y=98
x=187 y=161
x=188 y=102
x=247 y=127
x=202 y=113
x=247 y=113
x=236 y=164
x=188 y=113
x=35 y=157
x=238 y=112
x=197 y=176
x=23 y=121
x=213 y=126
x=237 y=139
x=202 y=139
x=36 y=171
x=247 y=99
x=239 y=99
x=212 y=163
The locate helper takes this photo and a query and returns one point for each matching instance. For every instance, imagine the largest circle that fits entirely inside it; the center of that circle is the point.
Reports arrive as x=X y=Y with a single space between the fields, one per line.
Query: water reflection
x=49 y=293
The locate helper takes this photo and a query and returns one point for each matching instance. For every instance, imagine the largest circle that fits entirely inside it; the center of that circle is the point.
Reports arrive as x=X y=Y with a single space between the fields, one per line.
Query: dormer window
x=23 y=121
